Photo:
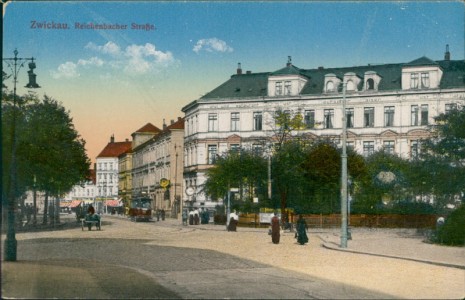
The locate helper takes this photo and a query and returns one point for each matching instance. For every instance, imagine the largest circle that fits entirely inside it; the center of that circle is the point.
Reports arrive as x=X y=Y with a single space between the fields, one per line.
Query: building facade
x=107 y=164
x=125 y=177
x=388 y=107
x=158 y=167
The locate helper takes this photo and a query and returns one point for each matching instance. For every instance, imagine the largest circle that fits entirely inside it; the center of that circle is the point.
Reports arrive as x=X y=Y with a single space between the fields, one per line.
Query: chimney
x=127 y=140
x=171 y=122
x=239 y=69
x=164 y=124
x=447 y=54
x=112 y=138
x=179 y=118
x=289 y=61
x=248 y=72
x=321 y=68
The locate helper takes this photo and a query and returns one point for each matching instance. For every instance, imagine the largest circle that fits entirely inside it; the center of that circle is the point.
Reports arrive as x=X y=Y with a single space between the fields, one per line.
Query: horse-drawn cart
x=90 y=220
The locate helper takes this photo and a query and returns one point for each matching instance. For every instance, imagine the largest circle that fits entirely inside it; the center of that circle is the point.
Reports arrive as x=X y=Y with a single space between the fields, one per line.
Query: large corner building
x=387 y=106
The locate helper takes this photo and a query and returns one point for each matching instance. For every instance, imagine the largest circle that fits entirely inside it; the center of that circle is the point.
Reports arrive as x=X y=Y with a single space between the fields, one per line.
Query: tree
x=323 y=173
x=442 y=159
x=48 y=148
x=243 y=169
x=287 y=173
x=386 y=182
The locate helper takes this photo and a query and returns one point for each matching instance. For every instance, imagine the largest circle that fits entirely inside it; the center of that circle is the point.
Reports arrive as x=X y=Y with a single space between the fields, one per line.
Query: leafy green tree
x=286 y=126
x=442 y=159
x=49 y=148
x=287 y=174
x=243 y=169
x=386 y=182
x=323 y=173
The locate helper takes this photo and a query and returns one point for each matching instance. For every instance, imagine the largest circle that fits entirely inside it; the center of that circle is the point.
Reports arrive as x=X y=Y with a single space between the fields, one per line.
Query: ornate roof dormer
x=421 y=73
x=287 y=81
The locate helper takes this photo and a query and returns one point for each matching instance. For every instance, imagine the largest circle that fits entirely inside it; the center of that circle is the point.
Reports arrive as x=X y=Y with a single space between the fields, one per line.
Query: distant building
x=86 y=191
x=107 y=171
x=157 y=164
x=388 y=106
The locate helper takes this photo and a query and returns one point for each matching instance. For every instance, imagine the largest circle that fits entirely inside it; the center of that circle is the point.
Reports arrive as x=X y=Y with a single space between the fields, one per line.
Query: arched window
x=330 y=86
x=350 y=85
x=370 y=84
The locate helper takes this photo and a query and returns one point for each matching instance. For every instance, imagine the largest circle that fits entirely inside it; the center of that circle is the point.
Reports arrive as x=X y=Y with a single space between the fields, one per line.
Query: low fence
x=355 y=220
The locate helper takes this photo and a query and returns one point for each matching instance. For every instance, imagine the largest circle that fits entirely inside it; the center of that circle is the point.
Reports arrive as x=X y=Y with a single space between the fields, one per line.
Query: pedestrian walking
x=275 y=228
x=196 y=217
x=184 y=217
x=162 y=213
x=191 y=217
x=301 y=233
x=233 y=220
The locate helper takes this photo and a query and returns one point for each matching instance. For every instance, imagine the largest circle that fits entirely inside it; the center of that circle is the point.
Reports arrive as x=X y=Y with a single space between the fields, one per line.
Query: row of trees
x=306 y=173
x=49 y=155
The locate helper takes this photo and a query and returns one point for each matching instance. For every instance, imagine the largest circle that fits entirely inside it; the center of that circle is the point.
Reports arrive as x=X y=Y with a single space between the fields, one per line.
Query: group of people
x=195 y=217
x=300 y=235
x=160 y=213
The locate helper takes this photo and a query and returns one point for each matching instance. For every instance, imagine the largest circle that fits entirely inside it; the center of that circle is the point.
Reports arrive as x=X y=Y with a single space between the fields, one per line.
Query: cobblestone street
x=168 y=260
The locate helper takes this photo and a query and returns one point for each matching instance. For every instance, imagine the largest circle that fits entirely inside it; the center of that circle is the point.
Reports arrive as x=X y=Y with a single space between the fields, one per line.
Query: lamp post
x=15 y=64
x=344 y=171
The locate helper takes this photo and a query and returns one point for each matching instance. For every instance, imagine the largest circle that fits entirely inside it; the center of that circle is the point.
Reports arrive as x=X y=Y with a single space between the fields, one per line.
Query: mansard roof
x=287 y=70
x=256 y=84
x=240 y=86
x=422 y=61
x=115 y=149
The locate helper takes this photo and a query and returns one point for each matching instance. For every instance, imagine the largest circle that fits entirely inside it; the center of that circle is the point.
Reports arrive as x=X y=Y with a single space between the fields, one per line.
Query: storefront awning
x=74 y=203
x=113 y=203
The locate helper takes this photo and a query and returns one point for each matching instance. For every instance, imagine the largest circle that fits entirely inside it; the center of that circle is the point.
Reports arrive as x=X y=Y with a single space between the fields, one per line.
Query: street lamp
x=15 y=64
x=344 y=171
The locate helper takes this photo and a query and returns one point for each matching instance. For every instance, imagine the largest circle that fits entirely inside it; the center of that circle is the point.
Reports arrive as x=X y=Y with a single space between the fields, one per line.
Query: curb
x=438 y=263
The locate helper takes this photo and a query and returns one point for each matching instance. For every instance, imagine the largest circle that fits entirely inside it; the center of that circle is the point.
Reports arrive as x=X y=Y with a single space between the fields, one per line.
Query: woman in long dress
x=302 y=227
x=275 y=228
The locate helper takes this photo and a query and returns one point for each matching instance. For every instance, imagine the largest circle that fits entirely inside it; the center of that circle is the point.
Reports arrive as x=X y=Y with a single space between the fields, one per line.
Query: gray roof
x=255 y=84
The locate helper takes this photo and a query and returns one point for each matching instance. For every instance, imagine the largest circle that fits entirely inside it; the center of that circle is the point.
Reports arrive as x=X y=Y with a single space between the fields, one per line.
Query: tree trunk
x=44 y=221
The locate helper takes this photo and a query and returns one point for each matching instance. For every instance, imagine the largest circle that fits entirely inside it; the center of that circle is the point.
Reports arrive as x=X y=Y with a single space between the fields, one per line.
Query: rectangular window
x=329 y=118
x=369 y=116
x=389 y=147
x=349 y=117
x=368 y=148
x=425 y=80
x=257 y=149
x=212 y=122
x=388 y=116
x=235 y=121
x=450 y=107
x=287 y=87
x=309 y=118
x=234 y=147
x=350 y=145
x=414 y=115
x=212 y=150
x=424 y=114
x=279 y=88
x=414 y=149
x=414 y=80
x=257 y=120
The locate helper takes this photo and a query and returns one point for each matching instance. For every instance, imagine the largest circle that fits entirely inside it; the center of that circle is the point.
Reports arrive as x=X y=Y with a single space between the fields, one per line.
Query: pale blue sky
x=115 y=81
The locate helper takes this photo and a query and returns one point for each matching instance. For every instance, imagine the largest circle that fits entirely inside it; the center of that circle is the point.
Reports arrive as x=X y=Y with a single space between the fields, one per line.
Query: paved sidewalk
x=400 y=243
